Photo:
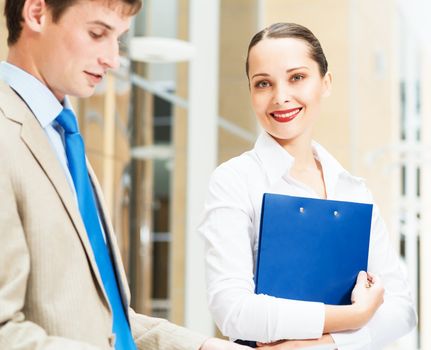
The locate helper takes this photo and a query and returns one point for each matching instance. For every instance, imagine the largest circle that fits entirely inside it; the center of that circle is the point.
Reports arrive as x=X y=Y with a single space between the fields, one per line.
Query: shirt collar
x=332 y=169
x=35 y=94
x=277 y=161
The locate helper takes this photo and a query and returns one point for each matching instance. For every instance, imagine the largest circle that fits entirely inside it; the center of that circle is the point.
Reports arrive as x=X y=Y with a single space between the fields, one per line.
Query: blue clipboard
x=311 y=249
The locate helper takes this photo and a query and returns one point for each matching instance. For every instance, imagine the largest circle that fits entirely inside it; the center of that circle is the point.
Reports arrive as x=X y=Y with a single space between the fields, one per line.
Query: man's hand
x=219 y=344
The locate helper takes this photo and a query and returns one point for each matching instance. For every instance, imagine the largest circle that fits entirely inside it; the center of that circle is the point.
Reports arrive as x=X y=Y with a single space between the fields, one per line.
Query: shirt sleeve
x=229 y=236
x=397 y=315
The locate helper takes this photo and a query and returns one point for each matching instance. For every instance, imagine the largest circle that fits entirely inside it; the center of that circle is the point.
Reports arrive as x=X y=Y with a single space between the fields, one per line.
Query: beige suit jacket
x=51 y=294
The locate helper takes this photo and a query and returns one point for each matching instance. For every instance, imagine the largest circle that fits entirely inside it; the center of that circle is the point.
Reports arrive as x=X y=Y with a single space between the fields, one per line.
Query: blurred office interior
x=179 y=105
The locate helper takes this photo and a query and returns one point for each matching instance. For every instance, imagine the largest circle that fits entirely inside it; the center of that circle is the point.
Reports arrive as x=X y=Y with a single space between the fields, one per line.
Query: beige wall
x=178 y=189
x=238 y=22
x=377 y=104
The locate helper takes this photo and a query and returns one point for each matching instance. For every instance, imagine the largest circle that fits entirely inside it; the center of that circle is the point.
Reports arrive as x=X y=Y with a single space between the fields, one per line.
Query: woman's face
x=286 y=88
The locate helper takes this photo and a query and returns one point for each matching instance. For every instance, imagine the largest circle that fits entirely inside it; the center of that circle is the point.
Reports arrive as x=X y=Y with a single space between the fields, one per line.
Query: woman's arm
x=367 y=296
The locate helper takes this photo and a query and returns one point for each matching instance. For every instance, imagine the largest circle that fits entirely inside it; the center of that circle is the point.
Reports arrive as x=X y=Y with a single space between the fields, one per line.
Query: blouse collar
x=277 y=161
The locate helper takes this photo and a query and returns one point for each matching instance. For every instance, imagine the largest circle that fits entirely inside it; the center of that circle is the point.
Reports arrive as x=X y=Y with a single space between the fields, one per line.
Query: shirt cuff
x=353 y=340
x=299 y=320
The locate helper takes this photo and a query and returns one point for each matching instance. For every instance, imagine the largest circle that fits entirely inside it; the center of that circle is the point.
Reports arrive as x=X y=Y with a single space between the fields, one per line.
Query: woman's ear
x=327 y=84
x=34 y=14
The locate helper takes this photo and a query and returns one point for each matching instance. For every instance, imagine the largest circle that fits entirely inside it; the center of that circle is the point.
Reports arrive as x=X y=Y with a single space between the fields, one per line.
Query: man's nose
x=110 y=59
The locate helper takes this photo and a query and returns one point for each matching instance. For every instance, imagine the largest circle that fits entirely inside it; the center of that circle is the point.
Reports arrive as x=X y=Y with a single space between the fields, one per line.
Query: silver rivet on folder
x=336 y=213
x=301 y=210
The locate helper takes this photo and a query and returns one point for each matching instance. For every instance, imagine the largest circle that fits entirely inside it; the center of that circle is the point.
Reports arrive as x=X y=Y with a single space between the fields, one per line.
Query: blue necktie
x=75 y=151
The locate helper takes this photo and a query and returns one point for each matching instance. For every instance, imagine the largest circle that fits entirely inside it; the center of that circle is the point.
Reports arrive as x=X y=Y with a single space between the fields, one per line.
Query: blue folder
x=311 y=249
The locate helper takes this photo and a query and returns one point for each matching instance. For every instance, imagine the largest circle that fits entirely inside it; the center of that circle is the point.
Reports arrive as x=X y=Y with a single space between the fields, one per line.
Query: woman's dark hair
x=291 y=30
x=13 y=13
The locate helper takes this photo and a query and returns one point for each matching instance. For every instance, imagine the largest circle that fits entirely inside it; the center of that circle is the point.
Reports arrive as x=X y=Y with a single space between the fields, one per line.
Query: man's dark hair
x=13 y=13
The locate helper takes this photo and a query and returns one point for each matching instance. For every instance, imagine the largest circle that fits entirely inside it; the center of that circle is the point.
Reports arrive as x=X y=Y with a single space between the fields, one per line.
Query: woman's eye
x=297 y=77
x=262 y=84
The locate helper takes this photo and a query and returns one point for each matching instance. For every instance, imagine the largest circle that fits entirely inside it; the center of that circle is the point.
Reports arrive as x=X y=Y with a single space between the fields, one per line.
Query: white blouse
x=230 y=228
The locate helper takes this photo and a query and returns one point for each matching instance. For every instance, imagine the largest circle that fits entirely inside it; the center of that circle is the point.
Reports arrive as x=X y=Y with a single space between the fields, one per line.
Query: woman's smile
x=287 y=115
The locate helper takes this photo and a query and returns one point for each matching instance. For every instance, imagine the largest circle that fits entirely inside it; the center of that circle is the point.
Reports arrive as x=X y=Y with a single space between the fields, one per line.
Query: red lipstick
x=287 y=115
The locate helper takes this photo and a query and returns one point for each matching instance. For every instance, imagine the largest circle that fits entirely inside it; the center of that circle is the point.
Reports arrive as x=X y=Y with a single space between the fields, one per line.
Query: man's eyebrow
x=101 y=23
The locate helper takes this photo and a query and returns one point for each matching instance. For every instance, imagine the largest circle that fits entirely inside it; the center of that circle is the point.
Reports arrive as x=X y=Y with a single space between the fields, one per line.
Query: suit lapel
x=37 y=142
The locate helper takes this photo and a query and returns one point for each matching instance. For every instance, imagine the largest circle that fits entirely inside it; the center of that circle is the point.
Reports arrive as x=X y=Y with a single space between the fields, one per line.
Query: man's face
x=73 y=55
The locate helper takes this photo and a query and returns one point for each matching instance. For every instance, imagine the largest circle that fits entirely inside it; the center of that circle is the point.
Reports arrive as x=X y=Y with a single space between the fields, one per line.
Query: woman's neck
x=306 y=168
x=301 y=149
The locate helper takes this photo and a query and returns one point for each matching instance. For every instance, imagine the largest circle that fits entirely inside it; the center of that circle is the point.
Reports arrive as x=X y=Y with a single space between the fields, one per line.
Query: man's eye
x=95 y=35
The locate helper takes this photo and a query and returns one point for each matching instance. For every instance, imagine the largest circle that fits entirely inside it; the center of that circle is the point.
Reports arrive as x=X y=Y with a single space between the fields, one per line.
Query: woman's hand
x=296 y=344
x=367 y=295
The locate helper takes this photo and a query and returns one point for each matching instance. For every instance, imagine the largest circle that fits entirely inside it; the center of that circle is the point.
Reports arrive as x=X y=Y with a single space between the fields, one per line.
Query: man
x=62 y=285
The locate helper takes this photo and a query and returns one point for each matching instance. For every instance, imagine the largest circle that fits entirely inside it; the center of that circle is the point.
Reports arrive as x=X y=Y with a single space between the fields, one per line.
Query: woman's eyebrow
x=287 y=71
x=260 y=75
x=295 y=68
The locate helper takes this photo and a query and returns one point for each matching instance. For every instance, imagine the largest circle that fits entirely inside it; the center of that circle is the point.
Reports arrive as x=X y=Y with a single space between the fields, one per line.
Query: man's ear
x=327 y=84
x=34 y=14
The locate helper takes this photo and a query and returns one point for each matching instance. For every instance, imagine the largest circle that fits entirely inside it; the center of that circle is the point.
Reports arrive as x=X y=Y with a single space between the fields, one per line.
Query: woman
x=288 y=78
